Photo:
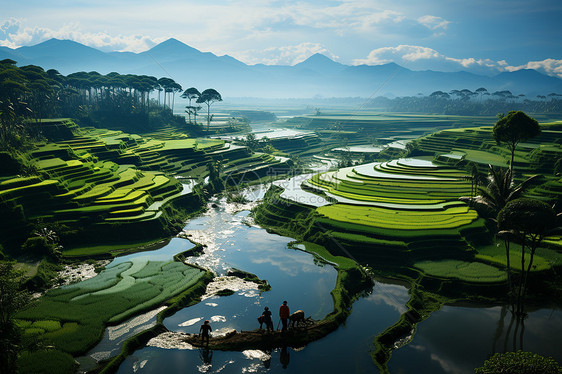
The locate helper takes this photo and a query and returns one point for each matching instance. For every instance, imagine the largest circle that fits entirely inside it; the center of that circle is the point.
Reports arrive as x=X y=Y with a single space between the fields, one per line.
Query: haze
x=485 y=37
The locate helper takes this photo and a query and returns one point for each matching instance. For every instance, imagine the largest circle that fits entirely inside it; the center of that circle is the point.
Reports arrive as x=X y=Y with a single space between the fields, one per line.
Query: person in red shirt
x=284 y=315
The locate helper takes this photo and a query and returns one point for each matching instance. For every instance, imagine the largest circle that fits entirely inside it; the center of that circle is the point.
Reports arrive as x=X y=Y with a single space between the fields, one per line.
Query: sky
x=480 y=36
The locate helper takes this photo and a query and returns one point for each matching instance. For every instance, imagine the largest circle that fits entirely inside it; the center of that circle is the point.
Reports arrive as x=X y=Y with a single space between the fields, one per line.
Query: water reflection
x=459 y=339
x=453 y=340
x=284 y=357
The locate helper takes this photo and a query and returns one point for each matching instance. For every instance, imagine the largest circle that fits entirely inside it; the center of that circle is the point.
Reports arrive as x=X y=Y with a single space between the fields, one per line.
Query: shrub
x=46 y=362
x=38 y=245
x=519 y=363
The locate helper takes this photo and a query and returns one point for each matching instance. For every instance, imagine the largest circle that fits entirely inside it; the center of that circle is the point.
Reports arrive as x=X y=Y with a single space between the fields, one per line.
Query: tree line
x=30 y=94
x=467 y=102
x=208 y=97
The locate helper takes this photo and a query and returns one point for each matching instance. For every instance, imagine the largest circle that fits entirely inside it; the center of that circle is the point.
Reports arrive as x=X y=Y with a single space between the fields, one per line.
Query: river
x=452 y=340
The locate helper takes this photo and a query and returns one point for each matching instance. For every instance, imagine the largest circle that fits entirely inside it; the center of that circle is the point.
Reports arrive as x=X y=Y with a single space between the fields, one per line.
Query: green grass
x=462 y=270
x=544 y=258
x=400 y=182
x=343 y=263
x=449 y=218
x=46 y=362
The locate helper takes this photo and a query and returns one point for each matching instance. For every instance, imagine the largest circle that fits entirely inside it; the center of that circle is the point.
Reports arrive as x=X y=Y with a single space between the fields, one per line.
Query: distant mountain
x=317 y=75
x=531 y=79
x=321 y=64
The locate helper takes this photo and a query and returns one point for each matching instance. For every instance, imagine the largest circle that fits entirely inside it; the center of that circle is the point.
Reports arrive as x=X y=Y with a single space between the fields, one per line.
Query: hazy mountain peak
x=56 y=43
x=318 y=59
x=58 y=48
x=317 y=74
x=173 y=46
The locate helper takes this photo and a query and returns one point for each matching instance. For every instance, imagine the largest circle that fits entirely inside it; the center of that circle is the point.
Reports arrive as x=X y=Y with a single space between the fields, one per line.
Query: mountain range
x=316 y=76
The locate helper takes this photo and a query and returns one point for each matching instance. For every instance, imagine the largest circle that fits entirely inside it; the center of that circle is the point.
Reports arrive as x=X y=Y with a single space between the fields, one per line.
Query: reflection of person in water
x=285 y=357
x=206 y=356
x=267 y=363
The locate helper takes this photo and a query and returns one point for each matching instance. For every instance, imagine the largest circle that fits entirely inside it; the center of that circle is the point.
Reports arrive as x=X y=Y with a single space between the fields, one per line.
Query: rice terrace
x=390 y=208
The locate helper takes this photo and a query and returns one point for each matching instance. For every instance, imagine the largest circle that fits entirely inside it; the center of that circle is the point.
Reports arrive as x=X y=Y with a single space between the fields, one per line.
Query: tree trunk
x=510 y=284
x=208 y=117
x=535 y=240
x=512 y=158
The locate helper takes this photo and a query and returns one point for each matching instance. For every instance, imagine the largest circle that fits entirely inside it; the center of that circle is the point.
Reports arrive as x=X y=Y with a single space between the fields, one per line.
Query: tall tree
x=530 y=220
x=190 y=94
x=513 y=128
x=208 y=97
x=12 y=298
x=501 y=190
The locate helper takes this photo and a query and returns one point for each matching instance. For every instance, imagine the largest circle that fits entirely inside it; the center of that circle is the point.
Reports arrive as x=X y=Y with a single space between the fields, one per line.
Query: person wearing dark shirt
x=205 y=331
x=267 y=319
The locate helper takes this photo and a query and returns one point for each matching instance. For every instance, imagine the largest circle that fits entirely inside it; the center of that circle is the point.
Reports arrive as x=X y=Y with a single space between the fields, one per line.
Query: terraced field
x=476 y=145
x=99 y=180
x=404 y=184
x=358 y=126
x=403 y=213
x=73 y=317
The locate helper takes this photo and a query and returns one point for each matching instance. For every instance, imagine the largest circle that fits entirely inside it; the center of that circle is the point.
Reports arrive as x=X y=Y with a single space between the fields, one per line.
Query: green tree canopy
x=519 y=363
x=513 y=128
x=209 y=96
x=12 y=298
x=527 y=215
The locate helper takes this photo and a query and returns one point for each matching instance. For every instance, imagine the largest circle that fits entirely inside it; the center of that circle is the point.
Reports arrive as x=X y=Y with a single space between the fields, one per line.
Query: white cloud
x=220 y=26
x=402 y=54
x=433 y=22
x=8 y=27
x=420 y=58
x=285 y=55
x=549 y=66
x=14 y=36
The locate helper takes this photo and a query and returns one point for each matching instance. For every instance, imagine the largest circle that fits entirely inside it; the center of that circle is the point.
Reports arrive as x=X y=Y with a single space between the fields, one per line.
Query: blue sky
x=449 y=35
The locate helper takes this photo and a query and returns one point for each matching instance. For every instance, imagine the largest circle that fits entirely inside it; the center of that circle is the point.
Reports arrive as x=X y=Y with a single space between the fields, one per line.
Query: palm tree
x=499 y=191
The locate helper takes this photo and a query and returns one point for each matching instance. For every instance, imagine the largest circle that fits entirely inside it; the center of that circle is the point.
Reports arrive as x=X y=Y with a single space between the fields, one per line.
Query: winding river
x=453 y=340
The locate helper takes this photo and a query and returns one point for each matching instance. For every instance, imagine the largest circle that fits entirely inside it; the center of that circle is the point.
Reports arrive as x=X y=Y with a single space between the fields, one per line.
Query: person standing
x=284 y=315
x=266 y=317
x=205 y=331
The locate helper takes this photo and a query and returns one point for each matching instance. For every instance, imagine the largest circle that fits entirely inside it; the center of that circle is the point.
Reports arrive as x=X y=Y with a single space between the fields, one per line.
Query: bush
x=45 y=362
x=38 y=246
x=519 y=363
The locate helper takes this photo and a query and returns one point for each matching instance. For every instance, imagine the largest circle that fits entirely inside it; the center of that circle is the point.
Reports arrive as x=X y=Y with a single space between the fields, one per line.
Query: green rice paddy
x=99 y=178
x=73 y=317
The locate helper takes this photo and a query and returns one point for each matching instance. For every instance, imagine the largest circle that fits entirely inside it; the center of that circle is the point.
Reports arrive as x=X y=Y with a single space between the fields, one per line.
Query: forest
x=470 y=103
